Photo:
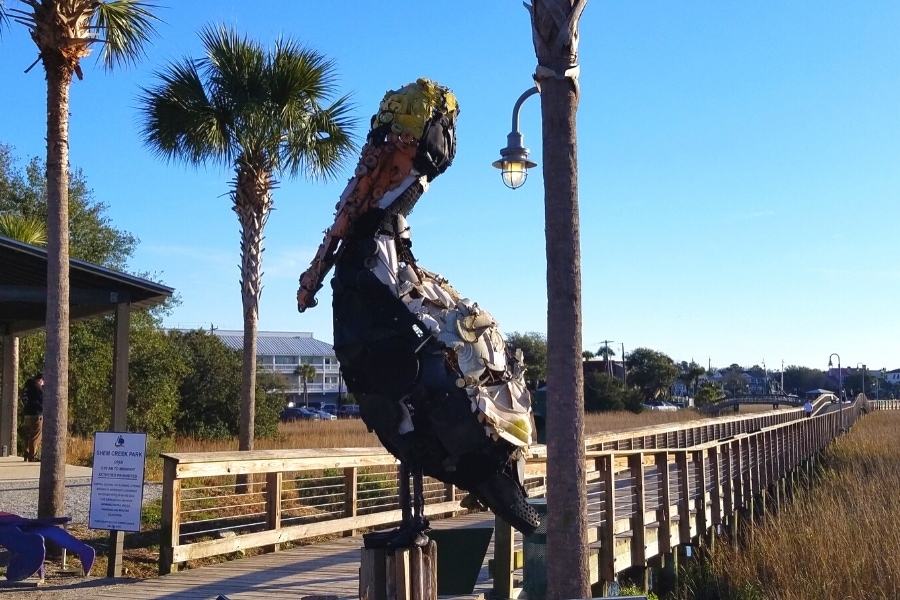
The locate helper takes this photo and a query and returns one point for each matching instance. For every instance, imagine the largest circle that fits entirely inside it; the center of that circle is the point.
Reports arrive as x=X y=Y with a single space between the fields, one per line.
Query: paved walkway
x=14 y=468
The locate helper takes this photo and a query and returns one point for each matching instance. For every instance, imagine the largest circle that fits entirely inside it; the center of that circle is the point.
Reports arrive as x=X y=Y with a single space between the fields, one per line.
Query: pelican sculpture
x=428 y=366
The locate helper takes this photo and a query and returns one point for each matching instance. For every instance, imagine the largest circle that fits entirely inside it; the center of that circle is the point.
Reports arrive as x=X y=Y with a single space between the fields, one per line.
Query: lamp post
x=840 y=386
x=863 y=384
x=782 y=377
x=513 y=162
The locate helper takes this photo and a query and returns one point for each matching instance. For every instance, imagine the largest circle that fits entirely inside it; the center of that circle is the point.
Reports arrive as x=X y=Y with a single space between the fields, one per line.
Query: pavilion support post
x=119 y=417
x=9 y=410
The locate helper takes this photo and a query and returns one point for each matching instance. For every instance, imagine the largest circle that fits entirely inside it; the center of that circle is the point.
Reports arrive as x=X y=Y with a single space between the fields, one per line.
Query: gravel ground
x=20 y=497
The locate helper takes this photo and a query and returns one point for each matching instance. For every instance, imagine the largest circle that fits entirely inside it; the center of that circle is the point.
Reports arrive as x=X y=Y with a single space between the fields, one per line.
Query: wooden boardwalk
x=330 y=568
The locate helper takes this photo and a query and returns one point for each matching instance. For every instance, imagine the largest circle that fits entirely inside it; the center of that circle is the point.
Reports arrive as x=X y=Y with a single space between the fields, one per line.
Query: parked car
x=348 y=411
x=329 y=408
x=659 y=405
x=326 y=416
x=299 y=413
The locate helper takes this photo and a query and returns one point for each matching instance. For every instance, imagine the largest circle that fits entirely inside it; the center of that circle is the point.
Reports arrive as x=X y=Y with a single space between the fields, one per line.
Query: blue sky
x=738 y=175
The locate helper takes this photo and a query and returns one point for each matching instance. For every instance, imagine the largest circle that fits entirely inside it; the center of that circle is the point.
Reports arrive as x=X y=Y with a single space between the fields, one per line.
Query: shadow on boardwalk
x=330 y=568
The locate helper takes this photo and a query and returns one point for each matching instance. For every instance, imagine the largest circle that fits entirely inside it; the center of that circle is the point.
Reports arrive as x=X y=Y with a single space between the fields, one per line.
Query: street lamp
x=513 y=162
x=840 y=387
x=858 y=365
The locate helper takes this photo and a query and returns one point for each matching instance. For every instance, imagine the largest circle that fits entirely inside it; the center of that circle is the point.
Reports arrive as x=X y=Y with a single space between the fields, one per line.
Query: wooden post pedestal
x=406 y=574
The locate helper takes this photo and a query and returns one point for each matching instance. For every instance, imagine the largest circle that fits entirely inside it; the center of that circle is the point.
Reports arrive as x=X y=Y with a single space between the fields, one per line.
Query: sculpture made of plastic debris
x=428 y=366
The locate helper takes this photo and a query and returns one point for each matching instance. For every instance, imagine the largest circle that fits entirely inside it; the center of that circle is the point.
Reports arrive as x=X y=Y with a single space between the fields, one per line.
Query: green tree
x=65 y=31
x=554 y=29
x=690 y=374
x=860 y=383
x=210 y=390
x=306 y=373
x=650 y=371
x=605 y=352
x=734 y=380
x=210 y=393
x=798 y=380
x=262 y=114
x=707 y=393
x=605 y=393
x=534 y=351
x=92 y=237
x=271 y=398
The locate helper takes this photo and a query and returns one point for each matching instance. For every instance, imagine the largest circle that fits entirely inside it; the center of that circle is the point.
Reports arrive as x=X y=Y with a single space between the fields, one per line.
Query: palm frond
x=319 y=149
x=4 y=17
x=243 y=104
x=124 y=26
x=180 y=121
x=27 y=229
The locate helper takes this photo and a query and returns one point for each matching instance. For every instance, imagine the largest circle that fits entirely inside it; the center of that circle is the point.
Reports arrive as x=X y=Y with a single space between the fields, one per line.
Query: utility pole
x=782 y=375
x=606 y=344
x=624 y=381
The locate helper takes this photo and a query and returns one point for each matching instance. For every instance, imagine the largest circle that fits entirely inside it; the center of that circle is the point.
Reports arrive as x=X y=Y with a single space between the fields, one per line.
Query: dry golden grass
x=343 y=433
x=610 y=422
x=837 y=540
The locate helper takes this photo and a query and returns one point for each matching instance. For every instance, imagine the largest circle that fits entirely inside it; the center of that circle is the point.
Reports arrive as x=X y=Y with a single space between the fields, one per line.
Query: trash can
x=534 y=550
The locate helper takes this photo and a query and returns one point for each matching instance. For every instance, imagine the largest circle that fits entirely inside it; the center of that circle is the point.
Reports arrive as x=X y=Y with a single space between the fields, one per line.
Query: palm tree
x=27 y=229
x=258 y=113
x=555 y=36
x=65 y=31
x=306 y=372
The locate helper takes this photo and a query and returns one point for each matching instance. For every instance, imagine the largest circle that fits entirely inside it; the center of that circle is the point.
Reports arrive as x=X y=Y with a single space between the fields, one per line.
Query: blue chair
x=24 y=538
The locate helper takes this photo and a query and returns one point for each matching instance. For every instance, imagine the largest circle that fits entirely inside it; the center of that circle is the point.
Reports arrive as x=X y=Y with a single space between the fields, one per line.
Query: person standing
x=34 y=416
x=808 y=408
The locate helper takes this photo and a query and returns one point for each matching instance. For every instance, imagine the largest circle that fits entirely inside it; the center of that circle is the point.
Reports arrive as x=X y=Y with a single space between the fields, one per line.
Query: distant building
x=284 y=351
x=598 y=364
x=893 y=377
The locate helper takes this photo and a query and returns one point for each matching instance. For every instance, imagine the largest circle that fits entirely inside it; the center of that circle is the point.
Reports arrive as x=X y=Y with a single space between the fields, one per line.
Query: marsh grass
x=837 y=540
x=343 y=433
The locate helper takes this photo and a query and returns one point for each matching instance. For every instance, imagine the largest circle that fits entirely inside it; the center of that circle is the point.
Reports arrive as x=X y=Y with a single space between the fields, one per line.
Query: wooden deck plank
x=329 y=568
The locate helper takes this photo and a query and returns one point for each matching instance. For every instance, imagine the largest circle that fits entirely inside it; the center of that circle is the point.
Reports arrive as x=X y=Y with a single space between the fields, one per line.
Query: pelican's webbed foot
x=408 y=535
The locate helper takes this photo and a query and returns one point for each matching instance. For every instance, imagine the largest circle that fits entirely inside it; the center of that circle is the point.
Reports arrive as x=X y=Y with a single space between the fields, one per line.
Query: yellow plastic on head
x=410 y=107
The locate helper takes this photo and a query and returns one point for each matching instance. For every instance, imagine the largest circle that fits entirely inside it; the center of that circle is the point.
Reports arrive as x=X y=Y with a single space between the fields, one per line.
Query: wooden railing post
x=665 y=511
x=273 y=505
x=449 y=492
x=727 y=481
x=351 y=495
x=699 y=458
x=170 y=524
x=684 y=499
x=605 y=465
x=716 y=495
x=638 y=527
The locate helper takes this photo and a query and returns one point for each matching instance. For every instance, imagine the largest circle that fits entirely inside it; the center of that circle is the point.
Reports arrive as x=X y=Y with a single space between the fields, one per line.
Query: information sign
x=117 y=481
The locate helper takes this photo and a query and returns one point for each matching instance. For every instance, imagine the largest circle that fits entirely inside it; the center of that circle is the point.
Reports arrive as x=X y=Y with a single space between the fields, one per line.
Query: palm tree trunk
x=252 y=202
x=51 y=496
x=567 y=566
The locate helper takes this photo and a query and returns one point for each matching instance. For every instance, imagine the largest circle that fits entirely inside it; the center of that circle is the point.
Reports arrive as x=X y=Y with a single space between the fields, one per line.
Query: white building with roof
x=284 y=351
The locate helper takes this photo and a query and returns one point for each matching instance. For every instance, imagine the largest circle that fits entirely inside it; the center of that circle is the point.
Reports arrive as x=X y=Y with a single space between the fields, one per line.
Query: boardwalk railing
x=223 y=502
